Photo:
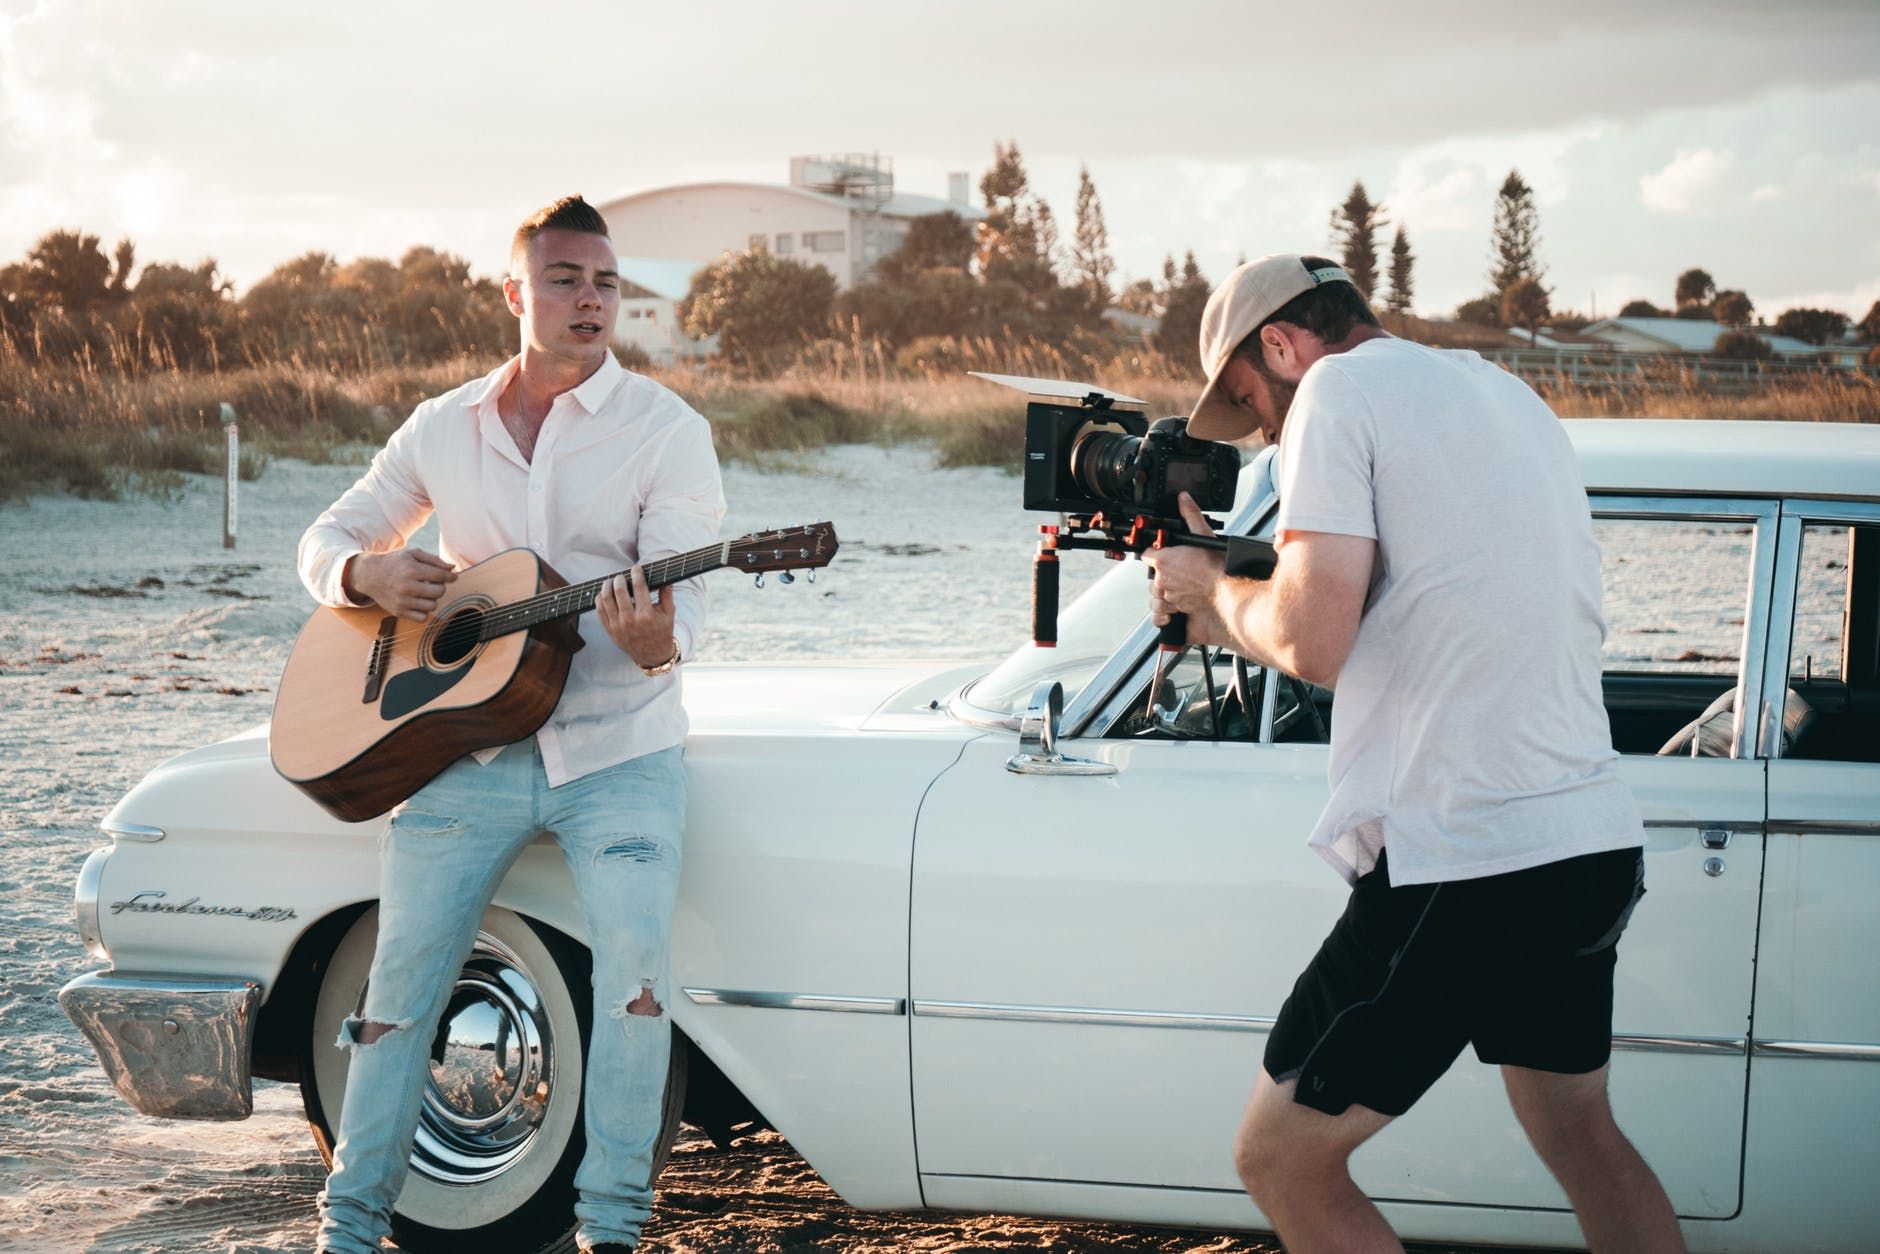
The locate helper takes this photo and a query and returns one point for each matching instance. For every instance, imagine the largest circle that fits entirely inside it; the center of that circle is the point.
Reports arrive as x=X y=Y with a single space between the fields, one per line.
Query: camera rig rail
x=1117 y=538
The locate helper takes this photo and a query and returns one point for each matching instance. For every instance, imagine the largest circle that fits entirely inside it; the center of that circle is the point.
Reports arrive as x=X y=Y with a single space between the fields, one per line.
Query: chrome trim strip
x=1845 y=1051
x=143 y=833
x=1736 y=827
x=1824 y=827
x=796 y=1001
x=1081 y=1014
x=1680 y=1044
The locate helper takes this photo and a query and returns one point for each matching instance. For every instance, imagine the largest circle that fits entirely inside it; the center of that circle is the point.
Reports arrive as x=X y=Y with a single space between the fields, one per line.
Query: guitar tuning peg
x=786 y=577
x=760 y=578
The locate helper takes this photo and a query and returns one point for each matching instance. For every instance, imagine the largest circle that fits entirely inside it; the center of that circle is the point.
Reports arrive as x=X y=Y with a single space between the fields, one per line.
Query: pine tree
x=1012 y=244
x=1515 y=247
x=1355 y=225
x=1401 y=259
x=1090 y=249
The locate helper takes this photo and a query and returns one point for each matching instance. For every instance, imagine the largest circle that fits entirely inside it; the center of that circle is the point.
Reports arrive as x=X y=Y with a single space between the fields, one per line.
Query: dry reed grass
x=94 y=429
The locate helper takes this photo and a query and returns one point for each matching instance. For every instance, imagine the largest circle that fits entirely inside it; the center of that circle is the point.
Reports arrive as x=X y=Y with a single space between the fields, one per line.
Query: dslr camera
x=1091 y=457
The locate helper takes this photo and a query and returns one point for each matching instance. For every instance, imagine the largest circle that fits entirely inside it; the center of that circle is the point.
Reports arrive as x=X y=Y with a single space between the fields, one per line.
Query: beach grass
x=99 y=431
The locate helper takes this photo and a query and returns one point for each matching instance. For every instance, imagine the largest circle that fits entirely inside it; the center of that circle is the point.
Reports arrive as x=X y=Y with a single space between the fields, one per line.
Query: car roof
x=1712 y=457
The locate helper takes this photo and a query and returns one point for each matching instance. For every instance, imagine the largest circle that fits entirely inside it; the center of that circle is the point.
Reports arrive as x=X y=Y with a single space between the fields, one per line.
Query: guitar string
x=573 y=598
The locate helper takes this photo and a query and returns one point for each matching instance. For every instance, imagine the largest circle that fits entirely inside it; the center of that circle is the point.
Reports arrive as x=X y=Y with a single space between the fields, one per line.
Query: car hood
x=819 y=697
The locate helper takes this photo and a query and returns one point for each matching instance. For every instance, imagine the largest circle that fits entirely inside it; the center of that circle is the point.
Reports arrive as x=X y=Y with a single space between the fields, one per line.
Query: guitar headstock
x=791 y=548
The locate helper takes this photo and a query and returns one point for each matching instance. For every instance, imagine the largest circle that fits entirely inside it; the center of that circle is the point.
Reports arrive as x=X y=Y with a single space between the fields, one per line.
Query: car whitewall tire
x=497 y=1148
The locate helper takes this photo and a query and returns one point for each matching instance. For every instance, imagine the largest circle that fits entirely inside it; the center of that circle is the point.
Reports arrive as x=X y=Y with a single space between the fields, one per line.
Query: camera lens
x=1103 y=463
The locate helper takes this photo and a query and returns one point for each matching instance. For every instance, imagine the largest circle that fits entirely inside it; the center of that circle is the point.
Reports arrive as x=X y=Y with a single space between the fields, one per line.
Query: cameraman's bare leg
x=1619 y=1202
x=1293 y=1161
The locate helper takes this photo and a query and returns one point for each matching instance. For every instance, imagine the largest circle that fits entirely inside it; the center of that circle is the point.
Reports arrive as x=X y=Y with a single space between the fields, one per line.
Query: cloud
x=1768 y=191
x=1693 y=176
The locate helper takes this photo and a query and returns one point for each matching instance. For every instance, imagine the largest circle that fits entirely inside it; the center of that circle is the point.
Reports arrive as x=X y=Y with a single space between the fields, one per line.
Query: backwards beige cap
x=1254 y=292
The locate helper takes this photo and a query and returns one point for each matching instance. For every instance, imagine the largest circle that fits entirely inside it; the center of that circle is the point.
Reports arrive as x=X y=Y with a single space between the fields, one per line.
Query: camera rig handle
x=1246 y=557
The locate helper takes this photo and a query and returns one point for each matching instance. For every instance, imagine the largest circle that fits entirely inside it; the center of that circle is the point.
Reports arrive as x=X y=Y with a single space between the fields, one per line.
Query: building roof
x=899 y=205
x=662 y=276
x=1694 y=335
x=1714 y=457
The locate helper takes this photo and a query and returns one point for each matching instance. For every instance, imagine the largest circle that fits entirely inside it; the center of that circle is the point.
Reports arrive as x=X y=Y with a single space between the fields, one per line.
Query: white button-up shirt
x=623 y=472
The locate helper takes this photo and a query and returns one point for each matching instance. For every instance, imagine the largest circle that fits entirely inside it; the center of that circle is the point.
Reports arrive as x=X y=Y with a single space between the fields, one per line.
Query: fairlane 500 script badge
x=151 y=902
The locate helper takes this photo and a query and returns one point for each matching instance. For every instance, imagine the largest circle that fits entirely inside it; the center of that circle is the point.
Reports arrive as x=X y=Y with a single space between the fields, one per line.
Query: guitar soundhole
x=457 y=638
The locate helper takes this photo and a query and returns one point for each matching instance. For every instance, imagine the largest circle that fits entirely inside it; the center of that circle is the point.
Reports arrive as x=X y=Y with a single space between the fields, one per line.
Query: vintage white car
x=1011 y=941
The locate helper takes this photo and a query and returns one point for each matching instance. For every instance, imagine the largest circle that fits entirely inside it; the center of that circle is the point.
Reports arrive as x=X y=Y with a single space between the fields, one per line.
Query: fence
x=1658 y=371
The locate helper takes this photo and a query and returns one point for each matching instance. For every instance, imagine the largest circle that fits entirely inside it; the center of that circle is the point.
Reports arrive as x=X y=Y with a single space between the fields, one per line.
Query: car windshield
x=1093 y=626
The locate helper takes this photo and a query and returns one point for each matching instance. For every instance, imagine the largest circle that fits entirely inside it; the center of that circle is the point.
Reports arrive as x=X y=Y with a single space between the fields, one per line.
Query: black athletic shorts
x=1520 y=965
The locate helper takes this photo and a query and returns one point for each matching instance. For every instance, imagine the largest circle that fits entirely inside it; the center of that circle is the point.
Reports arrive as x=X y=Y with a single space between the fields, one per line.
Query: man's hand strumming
x=405 y=582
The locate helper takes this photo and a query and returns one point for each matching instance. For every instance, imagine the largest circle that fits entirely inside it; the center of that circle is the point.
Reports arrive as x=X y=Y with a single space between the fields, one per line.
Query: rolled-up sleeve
x=376 y=514
x=684 y=505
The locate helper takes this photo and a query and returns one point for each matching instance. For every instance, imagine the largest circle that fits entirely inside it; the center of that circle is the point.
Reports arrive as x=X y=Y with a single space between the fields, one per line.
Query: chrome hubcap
x=492 y=1068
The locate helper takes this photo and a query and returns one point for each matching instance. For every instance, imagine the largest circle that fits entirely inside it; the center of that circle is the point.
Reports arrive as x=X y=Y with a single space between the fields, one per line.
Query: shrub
x=1742 y=346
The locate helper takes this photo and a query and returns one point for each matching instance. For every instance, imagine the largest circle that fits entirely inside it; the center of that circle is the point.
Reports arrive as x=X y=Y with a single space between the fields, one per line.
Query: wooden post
x=231 y=476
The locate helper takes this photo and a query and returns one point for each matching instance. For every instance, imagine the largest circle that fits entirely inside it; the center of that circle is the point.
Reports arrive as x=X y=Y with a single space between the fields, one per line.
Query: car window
x=1089 y=630
x=1676 y=595
x=1203 y=695
x=1832 y=710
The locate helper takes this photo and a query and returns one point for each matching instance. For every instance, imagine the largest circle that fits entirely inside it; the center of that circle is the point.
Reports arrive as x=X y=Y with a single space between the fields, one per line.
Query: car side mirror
x=1037 y=738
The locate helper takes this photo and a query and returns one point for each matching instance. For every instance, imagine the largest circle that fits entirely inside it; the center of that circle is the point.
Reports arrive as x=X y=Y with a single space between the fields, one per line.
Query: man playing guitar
x=562 y=451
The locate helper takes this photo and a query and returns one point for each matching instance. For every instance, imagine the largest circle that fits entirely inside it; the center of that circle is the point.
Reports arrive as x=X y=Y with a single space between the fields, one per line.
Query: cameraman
x=1437 y=565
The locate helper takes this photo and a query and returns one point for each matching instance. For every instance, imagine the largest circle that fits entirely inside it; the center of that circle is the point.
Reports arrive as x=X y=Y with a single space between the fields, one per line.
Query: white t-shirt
x=1470 y=737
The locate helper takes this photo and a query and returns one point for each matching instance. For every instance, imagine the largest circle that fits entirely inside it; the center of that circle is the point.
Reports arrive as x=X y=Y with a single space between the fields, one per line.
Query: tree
x=1179 y=336
x=1091 y=263
x=1484 y=311
x=70 y=270
x=1695 y=287
x=1355 y=225
x=1733 y=309
x=1641 y=309
x=758 y=305
x=1401 y=259
x=1140 y=296
x=934 y=241
x=1010 y=243
x=1869 y=326
x=1525 y=304
x=1516 y=239
x=1813 y=326
x=1742 y=346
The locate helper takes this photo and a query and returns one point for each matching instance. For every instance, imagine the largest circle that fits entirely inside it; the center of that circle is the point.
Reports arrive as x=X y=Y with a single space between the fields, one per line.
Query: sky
x=1742 y=136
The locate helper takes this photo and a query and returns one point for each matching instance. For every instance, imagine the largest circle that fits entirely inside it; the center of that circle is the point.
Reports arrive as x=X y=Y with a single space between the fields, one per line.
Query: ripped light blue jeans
x=441 y=859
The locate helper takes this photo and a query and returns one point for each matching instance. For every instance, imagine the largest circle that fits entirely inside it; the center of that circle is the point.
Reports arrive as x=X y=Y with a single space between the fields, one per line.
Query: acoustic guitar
x=371 y=706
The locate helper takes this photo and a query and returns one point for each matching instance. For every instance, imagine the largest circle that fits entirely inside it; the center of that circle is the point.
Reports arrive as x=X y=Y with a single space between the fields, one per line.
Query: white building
x=1684 y=335
x=650 y=291
x=841 y=213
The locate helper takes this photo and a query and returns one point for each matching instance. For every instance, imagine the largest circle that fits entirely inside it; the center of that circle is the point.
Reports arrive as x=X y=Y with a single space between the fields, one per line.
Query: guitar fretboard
x=578 y=598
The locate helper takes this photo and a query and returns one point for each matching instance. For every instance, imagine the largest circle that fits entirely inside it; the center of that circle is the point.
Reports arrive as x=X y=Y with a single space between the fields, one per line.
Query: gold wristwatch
x=664 y=666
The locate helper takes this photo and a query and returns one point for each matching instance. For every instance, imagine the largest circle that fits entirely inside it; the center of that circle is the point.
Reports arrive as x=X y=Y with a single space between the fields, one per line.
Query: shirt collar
x=594 y=390
x=591 y=393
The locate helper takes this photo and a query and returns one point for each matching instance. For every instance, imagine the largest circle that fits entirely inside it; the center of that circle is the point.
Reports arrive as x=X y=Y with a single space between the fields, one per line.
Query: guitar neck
x=578 y=598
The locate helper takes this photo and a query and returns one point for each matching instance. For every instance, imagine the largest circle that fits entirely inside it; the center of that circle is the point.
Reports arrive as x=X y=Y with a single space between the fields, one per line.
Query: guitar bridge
x=376 y=660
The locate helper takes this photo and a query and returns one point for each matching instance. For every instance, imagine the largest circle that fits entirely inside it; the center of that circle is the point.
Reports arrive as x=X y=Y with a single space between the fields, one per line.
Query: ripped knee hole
x=645 y=1004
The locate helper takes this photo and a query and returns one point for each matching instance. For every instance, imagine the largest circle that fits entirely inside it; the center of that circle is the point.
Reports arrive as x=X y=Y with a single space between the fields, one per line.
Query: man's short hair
x=1330 y=311
x=570 y=213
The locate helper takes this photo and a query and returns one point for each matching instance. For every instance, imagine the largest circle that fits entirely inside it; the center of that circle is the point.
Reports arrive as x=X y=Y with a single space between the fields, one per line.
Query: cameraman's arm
x=1303 y=620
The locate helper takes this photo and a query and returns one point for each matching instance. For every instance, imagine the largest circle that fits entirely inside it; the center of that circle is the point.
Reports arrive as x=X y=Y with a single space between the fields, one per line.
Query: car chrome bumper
x=174 y=1046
